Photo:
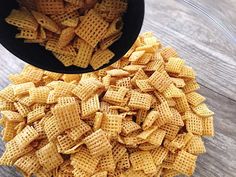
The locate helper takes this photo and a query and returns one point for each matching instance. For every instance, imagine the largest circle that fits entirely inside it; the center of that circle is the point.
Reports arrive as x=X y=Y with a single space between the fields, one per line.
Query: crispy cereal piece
x=7 y=94
x=124 y=162
x=195 y=98
x=112 y=124
x=22 y=19
x=90 y=106
x=185 y=163
x=136 y=55
x=84 y=55
x=75 y=133
x=157 y=137
x=49 y=7
x=146 y=133
x=66 y=60
x=187 y=73
x=105 y=43
x=160 y=81
x=48 y=157
x=67 y=116
x=118 y=151
x=182 y=104
x=129 y=127
x=12 y=116
x=194 y=124
x=97 y=143
x=100 y=58
x=165 y=114
x=158 y=155
x=92 y=28
x=115 y=94
x=69 y=50
x=46 y=22
x=97 y=121
x=150 y=119
x=174 y=65
x=168 y=52
x=9 y=131
x=142 y=160
x=27 y=34
x=196 y=146
x=144 y=86
x=26 y=136
x=52 y=128
x=32 y=74
x=28 y=163
x=76 y=2
x=87 y=88
x=173 y=92
x=176 y=118
x=191 y=86
x=208 y=127
x=140 y=101
x=39 y=94
x=202 y=110
x=21 y=89
x=171 y=131
x=107 y=162
x=100 y=174
x=35 y=115
x=117 y=73
x=64 y=143
x=66 y=37
x=124 y=82
x=178 y=82
x=84 y=160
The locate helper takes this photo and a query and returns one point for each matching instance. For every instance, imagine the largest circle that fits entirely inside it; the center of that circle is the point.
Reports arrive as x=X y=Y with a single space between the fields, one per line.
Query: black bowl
x=37 y=56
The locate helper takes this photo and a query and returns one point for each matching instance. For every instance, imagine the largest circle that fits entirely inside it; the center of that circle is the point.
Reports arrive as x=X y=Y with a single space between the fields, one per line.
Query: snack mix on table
x=77 y=32
x=140 y=117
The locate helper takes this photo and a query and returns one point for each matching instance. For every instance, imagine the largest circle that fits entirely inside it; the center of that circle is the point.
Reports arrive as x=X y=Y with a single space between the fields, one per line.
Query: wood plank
x=204 y=48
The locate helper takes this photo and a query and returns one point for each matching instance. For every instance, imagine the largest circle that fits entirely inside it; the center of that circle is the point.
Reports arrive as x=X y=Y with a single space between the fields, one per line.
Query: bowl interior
x=38 y=56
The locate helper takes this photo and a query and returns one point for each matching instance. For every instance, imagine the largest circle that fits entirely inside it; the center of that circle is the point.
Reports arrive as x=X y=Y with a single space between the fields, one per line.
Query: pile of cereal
x=77 y=32
x=140 y=117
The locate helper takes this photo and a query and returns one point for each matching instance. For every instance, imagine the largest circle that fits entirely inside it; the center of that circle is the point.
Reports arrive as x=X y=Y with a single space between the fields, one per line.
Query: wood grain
x=206 y=48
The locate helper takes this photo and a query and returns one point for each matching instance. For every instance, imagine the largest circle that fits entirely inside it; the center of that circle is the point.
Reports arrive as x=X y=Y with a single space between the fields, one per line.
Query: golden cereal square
x=112 y=124
x=208 y=126
x=84 y=55
x=90 y=106
x=49 y=7
x=195 y=98
x=26 y=136
x=28 y=163
x=75 y=133
x=185 y=163
x=68 y=115
x=140 y=101
x=202 y=110
x=100 y=58
x=22 y=19
x=48 y=157
x=92 y=28
x=39 y=94
x=159 y=154
x=160 y=81
x=174 y=65
x=194 y=124
x=84 y=160
x=107 y=162
x=97 y=143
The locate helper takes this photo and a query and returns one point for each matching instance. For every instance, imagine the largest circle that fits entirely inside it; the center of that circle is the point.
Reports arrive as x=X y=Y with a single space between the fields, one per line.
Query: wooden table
x=207 y=49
